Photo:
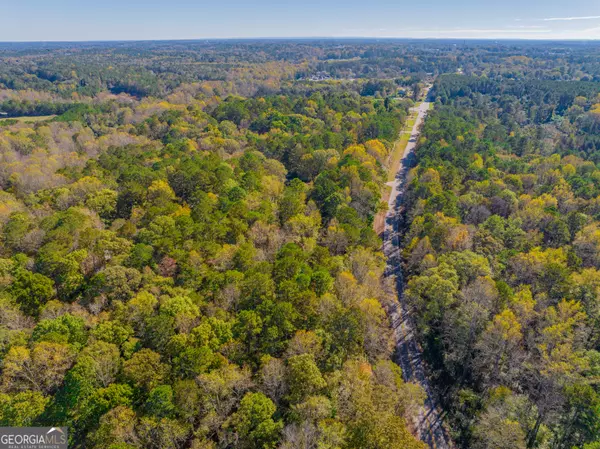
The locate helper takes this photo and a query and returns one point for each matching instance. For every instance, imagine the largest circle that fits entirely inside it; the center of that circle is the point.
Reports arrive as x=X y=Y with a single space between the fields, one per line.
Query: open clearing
x=29 y=119
x=394 y=161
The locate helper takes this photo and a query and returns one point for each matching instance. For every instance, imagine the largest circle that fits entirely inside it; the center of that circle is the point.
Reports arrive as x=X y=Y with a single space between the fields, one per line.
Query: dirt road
x=408 y=352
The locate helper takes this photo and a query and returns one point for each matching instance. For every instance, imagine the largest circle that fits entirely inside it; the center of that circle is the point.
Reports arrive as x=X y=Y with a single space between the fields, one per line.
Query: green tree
x=144 y=370
x=252 y=424
x=160 y=401
x=304 y=377
x=31 y=290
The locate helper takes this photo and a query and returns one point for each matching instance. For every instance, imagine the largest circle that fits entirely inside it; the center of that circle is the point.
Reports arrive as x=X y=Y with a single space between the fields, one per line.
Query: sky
x=89 y=20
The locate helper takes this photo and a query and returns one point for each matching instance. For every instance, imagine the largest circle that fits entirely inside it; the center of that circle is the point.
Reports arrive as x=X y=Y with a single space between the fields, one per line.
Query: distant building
x=320 y=76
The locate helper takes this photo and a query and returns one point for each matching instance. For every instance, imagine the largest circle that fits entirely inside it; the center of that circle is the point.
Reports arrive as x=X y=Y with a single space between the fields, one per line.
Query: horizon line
x=198 y=39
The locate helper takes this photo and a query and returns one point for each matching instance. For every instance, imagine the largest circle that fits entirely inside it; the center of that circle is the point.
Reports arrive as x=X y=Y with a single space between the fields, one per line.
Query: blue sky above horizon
x=84 y=20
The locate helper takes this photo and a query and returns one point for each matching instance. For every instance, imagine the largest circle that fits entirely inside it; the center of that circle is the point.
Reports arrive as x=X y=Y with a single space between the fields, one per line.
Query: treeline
x=502 y=255
x=560 y=95
x=16 y=108
x=201 y=273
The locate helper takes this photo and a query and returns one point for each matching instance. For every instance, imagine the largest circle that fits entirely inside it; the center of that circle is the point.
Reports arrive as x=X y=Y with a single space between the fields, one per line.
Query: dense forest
x=198 y=270
x=188 y=258
x=503 y=259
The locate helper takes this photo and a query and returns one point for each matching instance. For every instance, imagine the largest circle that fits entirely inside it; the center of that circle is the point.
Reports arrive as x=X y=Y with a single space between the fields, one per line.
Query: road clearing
x=408 y=353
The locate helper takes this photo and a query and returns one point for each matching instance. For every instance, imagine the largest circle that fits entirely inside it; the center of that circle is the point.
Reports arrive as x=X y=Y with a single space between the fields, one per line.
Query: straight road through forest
x=408 y=353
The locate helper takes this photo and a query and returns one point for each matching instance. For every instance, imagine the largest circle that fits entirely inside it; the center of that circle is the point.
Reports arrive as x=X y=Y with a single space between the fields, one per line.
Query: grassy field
x=396 y=155
x=400 y=144
x=394 y=164
x=27 y=119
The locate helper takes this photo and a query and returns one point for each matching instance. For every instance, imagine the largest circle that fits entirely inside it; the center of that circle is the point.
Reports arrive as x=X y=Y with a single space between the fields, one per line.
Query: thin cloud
x=527 y=27
x=558 y=19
